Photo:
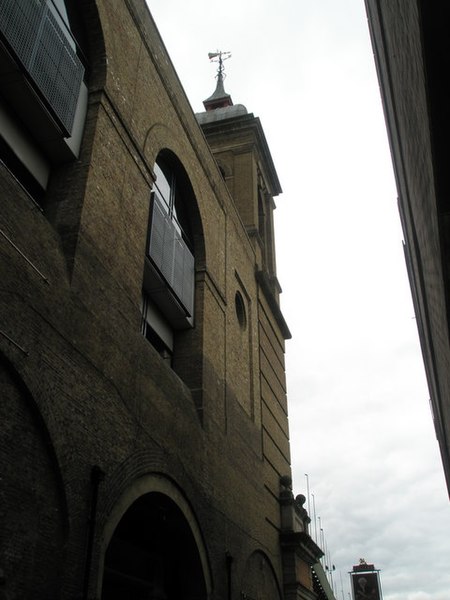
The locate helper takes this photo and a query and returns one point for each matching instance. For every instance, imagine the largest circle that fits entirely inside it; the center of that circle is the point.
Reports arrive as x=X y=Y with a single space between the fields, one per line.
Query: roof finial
x=219 y=57
x=220 y=98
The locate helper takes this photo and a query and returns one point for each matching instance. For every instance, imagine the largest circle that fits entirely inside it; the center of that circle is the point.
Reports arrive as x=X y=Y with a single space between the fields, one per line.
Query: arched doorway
x=153 y=554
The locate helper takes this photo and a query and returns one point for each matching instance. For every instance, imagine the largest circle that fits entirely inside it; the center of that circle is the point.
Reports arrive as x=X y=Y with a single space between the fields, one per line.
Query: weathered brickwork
x=85 y=389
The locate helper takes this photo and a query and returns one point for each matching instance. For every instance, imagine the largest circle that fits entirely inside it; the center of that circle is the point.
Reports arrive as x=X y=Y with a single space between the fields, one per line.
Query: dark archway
x=153 y=554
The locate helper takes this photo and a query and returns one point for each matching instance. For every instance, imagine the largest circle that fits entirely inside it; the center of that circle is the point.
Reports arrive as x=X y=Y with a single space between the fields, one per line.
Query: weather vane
x=219 y=57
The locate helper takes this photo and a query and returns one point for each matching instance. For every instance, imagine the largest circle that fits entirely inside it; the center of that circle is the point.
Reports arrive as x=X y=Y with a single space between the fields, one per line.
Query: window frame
x=169 y=269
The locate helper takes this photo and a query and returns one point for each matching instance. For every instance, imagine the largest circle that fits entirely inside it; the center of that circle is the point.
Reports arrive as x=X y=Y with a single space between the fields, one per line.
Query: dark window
x=240 y=310
x=155 y=328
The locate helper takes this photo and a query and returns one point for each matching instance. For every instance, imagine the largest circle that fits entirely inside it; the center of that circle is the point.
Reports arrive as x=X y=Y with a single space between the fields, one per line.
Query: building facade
x=144 y=444
x=412 y=51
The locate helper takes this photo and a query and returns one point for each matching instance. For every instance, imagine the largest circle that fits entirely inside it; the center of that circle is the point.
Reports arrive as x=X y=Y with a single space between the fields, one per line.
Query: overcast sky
x=360 y=422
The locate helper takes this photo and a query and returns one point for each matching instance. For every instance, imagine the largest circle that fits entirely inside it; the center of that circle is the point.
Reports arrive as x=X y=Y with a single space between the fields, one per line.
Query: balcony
x=169 y=269
x=41 y=75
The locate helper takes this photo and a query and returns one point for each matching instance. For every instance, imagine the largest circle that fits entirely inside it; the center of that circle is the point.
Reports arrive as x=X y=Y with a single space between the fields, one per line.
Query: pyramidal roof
x=219 y=99
x=219 y=105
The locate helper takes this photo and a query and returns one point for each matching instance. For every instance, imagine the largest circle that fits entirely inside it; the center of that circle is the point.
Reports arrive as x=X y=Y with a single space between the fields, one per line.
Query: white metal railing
x=171 y=255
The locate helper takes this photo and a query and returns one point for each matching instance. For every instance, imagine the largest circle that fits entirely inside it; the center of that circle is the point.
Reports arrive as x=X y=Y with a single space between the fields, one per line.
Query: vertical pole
x=220 y=65
x=379 y=585
x=322 y=545
x=315 y=522
x=307 y=492
x=351 y=586
x=319 y=540
x=342 y=585
x=331 y=575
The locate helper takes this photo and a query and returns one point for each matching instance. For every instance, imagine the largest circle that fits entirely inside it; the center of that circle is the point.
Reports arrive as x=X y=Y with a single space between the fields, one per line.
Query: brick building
x=412 y=52
x=144 y=444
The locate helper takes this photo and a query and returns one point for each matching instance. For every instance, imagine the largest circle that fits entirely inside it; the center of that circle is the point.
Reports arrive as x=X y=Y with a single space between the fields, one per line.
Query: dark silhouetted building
x=412 y=55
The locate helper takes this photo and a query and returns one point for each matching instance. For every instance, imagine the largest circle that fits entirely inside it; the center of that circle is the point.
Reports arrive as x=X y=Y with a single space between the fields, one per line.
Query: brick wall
x=70 y=298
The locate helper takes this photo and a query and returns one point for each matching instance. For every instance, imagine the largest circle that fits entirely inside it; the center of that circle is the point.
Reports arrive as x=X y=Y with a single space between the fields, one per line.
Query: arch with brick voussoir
x=161 y=145
x=161 y=141
x=258 y=578
x=147 y=494
x=209 y=191
x=174 y=156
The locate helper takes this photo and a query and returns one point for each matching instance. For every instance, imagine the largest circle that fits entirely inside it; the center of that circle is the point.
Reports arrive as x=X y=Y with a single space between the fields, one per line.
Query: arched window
x=44 y=95
x=168 y=287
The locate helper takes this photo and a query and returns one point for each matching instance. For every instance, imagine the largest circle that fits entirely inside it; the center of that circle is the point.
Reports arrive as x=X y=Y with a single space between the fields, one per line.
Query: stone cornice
x=303 y=546
x=263 y=279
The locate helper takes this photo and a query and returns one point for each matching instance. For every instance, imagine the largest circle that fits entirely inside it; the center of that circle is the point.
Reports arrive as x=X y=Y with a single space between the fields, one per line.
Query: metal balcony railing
x=171 y=255
x=46 y=51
